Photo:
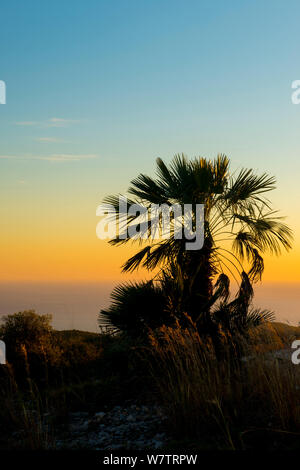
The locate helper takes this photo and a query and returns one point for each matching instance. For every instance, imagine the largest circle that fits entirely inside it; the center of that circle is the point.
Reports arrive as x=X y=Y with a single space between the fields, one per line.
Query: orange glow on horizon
x=75 y=260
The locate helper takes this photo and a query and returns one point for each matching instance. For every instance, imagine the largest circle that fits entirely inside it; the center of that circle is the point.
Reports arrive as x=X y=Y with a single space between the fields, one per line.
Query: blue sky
x=149 y=77
x=97 y=89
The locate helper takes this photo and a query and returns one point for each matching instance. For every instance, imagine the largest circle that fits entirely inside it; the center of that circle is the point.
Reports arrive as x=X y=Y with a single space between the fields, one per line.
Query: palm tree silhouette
x=239 y=227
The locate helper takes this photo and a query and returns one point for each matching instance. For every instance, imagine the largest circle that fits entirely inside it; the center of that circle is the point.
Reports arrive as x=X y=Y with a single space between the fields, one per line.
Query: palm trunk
x=199 y=276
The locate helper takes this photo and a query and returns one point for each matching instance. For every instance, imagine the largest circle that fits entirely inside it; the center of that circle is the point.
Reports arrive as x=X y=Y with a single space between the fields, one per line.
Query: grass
x=84 y=372
x=227 y=403
x=22 y=414
x=246 y=401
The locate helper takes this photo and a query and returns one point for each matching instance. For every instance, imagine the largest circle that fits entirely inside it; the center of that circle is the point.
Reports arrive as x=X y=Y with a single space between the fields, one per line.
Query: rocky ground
x=133 y=427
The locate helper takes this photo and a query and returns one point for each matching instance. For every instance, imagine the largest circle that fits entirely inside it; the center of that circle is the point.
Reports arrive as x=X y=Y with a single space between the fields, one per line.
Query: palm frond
x=249 y=185
x=257 y=316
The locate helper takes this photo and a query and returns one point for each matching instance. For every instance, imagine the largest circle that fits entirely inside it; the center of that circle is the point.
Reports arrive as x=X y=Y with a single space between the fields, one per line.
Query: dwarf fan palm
x=239 y=227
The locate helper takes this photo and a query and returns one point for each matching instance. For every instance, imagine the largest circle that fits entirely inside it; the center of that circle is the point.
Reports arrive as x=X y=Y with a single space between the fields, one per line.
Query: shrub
x=29 y=336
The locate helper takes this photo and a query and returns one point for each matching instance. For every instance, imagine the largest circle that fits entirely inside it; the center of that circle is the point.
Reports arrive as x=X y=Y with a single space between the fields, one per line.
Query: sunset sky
x=97 y=90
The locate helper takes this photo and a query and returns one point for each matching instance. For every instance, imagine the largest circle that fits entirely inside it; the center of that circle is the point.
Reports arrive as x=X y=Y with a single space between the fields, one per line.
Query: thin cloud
x=47 y=140
x=65 y=157
x=60 y=122
x=27 y=123
x=56 y=157
x=52 y=122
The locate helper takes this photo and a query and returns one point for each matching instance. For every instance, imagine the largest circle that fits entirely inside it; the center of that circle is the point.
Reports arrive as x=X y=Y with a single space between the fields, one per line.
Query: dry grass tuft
x=228 y=397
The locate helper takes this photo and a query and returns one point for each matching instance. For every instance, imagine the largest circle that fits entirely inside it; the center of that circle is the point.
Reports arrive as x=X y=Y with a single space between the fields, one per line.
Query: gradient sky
x=96 y=90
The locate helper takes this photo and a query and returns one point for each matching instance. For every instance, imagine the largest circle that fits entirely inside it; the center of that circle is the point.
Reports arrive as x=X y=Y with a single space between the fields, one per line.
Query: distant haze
x=76 y=305
x=73 y=305
x=282 y=298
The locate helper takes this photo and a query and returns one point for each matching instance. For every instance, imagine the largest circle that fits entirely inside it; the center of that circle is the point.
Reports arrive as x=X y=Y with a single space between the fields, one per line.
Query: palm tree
x=136 y=307
x=240 y=226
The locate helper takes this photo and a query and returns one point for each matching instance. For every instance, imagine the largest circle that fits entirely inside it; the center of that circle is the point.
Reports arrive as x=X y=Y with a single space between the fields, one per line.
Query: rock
x=79 y=427
x=78 y=414
x=129 y=427
x=99 y=416
x=131 y=418
x=157 y=444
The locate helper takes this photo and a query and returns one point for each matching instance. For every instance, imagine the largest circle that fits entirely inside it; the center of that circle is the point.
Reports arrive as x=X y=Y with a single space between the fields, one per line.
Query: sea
x=76 y=305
